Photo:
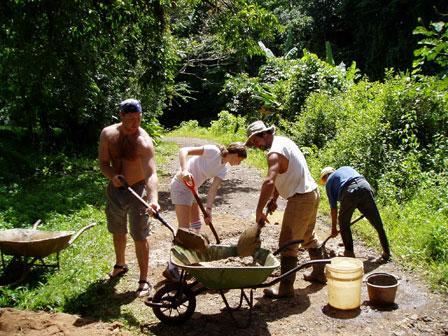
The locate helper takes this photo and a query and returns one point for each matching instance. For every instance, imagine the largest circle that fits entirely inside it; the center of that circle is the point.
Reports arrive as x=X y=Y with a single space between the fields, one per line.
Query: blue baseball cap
x=130 y=105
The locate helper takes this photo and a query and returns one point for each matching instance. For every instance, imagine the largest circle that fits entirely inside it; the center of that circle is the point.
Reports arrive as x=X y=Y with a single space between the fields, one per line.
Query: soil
x=417 y=310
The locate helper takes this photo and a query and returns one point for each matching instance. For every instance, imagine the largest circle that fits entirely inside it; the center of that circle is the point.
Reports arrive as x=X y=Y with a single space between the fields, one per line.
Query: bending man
x=352 y=190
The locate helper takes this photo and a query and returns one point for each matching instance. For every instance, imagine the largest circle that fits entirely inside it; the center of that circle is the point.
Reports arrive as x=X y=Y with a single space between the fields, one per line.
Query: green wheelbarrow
x=175 y=302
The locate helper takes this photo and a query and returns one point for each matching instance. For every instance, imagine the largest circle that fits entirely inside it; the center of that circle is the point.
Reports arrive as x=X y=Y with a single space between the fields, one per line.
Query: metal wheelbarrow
x=175 y=302
x=30 y=246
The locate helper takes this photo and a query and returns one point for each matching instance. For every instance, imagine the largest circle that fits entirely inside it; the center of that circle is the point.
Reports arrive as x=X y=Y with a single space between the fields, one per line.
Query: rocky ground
x=417 y=311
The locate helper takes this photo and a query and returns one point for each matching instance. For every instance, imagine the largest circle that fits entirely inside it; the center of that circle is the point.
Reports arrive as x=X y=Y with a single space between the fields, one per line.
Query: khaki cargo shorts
x=120 y=204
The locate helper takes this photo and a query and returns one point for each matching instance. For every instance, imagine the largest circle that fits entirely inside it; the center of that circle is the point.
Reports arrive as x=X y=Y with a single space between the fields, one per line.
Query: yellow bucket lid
x=346 y=264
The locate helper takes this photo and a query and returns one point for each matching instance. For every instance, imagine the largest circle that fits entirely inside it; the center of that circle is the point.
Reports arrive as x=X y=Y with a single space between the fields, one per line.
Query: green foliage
x=64 y=68
x=282 y=86
x=248 y=96
x=189 y=128
x=60 y=185
x=418 y=228
x=344 y=126
x=241 y=93
x=437 y=243
x=433 y=50
x=318 y=122
x=229 y=125
x=240 y=28
x=329 y=54
x=313 y=75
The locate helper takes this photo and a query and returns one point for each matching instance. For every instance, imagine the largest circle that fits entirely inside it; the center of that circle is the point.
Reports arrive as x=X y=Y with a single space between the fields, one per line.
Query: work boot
x=317 y=274
x=286 y=287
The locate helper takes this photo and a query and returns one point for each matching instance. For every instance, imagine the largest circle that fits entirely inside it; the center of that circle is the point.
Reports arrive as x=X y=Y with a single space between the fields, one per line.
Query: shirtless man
x=126 y=151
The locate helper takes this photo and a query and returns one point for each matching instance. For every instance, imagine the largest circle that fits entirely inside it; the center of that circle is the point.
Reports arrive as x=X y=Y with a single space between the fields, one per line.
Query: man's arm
x=272 y=204
x=150 y=171
x=104 y=159
x=329 y=188
x=268 y=186
x=334 y=222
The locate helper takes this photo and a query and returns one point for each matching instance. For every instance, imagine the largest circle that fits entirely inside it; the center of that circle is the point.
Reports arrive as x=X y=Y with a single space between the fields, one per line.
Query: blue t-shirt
x=336 y=182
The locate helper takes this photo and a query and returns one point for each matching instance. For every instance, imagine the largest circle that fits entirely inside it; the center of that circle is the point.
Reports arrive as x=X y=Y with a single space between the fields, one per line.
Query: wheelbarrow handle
x=77 y=234
x=293 y=270
x=287 y=244
x=192 y=186
x=36 y=224
x=142 y=201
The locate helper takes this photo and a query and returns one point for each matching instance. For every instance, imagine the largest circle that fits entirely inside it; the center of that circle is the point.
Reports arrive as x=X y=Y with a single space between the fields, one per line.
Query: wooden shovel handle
x=330 y=236
x=142 y=201
x=192 y=186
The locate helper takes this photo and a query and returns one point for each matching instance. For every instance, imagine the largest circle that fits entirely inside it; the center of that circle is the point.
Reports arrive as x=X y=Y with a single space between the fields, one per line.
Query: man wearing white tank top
x=289 y=177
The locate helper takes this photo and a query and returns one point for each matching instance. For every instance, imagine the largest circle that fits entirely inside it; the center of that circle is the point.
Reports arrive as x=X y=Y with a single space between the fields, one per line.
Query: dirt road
x=417 y=310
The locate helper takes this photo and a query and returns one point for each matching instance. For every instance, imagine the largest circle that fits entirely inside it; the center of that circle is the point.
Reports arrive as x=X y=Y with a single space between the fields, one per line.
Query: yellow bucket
x=344 y=279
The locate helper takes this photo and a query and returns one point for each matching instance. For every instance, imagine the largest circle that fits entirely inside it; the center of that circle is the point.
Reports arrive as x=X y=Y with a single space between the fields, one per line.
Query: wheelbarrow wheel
x=177 y=303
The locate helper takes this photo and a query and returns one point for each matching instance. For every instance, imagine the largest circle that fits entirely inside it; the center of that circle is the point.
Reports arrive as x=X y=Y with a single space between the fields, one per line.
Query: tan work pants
x=299 y=221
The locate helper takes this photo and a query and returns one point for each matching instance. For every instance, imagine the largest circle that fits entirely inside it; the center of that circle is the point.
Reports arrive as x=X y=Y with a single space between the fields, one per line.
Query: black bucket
x=382 y=288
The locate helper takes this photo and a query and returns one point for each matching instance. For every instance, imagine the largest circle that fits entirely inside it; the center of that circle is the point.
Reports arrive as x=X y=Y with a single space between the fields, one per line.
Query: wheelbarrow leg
x=249 y=300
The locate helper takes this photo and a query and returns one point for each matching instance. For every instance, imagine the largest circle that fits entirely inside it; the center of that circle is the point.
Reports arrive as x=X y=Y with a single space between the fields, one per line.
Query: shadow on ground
x=102 y=302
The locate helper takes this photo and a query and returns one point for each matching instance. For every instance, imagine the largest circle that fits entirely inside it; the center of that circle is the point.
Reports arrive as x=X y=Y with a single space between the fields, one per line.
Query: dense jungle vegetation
x=360 y=83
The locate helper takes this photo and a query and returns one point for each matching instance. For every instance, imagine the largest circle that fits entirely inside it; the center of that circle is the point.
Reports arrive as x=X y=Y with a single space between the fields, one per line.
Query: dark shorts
x=120 y=203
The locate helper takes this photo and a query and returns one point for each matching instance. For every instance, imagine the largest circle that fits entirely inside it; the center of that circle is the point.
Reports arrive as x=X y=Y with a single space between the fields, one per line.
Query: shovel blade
x=249 y=241
x=191 y=240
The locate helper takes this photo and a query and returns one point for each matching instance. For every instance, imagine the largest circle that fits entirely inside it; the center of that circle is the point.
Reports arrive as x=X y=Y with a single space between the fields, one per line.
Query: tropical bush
x=314 y=75
x=65 y=68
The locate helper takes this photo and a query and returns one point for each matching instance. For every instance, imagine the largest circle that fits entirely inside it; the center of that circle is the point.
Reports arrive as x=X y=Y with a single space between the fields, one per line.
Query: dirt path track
x=417 y=311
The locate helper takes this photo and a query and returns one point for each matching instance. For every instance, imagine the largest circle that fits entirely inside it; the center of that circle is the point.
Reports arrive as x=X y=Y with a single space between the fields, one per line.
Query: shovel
x=183 y=237
x=249 y=240
x=191 y=185
x=328 y=238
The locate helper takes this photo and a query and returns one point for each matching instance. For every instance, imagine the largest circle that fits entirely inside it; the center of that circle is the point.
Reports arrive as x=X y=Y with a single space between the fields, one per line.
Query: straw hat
x=255 y=128
x=326 y=171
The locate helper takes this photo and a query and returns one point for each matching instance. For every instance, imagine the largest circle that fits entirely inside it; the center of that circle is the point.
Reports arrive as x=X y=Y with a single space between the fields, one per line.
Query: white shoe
x=144 y=288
